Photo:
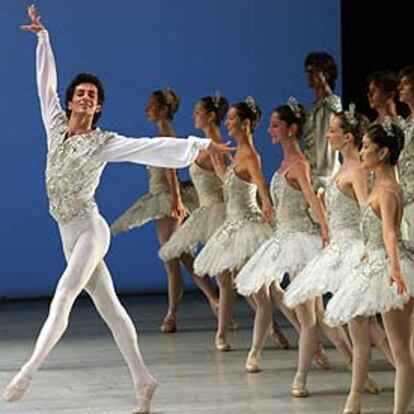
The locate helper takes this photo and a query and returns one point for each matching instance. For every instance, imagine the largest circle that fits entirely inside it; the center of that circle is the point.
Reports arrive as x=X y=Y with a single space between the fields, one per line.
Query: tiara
x=387 y=125
x=168 y=96
x=216 y=99
x=350 y=114
x=251 y=103
x=293 y=104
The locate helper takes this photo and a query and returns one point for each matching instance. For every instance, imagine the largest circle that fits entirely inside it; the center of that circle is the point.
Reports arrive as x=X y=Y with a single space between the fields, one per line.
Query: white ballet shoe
x=17 y=387
x=299 y=389
x=222 y=345
x=145 y=397
x=300 y=392
x=252 y=365
x=353 y=404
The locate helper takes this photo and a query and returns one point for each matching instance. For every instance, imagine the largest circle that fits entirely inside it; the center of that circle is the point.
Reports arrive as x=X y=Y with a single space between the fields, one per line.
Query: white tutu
x=189 y=197
x=147 y=208
x=324 y=273
x=231 y=246
x=285 y=252
x=152 y=206
x=198 y=228
x=367 y=290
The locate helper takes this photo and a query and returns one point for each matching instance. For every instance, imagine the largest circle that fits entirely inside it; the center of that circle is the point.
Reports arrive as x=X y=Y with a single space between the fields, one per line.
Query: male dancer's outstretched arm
x=160 y=152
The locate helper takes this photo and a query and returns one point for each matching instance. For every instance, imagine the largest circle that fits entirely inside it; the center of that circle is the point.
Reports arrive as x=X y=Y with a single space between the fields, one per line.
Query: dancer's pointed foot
x=17 y=387
x=299 y=389
x=222 y=345
x=371 y=385
x=145 y=397
x=353 y=404
x=278 y=337
x=321 y=358
x=169 y=325
x=300 y=392
x=253 y=363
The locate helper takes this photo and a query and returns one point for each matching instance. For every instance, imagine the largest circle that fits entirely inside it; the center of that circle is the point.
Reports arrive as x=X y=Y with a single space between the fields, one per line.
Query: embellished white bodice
x=72 y=173
x=344 y=214
x=208 y=186
x=240 y=197
x=291 y=208
x=157 y=180
x=406 y=163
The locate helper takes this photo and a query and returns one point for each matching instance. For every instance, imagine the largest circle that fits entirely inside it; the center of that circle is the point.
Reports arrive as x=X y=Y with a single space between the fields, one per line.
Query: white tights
x=85 y=243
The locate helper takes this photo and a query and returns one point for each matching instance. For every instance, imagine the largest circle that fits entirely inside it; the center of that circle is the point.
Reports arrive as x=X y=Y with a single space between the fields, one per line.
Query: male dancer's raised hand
x=36 y=25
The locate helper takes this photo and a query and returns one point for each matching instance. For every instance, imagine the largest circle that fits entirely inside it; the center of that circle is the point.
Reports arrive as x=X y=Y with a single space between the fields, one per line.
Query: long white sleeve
x=47 y=80
x=156 y=152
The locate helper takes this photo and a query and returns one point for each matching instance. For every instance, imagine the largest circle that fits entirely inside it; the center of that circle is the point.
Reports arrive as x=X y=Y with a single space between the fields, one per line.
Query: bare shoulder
x=300 y=168
x=359 y=173
x=387 y=199
x=389 y=195
x=252 y=159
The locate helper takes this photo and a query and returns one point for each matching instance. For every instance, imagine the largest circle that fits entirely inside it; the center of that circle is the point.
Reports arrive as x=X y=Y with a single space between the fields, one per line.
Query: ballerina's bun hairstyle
x=388 y=135
x=249 y=110
x=169 y=99
x=354 y=123
x=216 y=104
x=292 y=113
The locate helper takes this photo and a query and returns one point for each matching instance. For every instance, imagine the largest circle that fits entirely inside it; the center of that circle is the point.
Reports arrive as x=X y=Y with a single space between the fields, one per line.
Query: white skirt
x=285 y=252
x=367 y=290
x=152 y=206
x=325 y=272
x=231 y=246
x=197 y=229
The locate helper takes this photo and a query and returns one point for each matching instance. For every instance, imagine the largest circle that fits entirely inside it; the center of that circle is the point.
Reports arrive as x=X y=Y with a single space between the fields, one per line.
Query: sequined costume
x=240 y=235
x=317 y=149
x=154 y=205
x=327 y=271
x=74 y=167
x=295 y=241
x=204 y=221
x=406 y=178
x=367 y=291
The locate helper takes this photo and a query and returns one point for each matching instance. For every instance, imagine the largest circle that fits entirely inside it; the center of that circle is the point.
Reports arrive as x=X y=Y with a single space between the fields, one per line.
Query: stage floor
x=86 y=374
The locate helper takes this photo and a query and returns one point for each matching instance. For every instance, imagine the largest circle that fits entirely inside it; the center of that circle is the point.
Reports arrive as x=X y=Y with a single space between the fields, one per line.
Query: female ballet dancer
x=296 y=239
x=163 y=204
x=246 y=226
x=405 y=163
x=204 y=221
x=345 y=192
x=381 y=279
x=77 y=154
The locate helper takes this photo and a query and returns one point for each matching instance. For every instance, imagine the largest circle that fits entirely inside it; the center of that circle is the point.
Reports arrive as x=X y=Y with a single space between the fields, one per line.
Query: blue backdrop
x=238 y=46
